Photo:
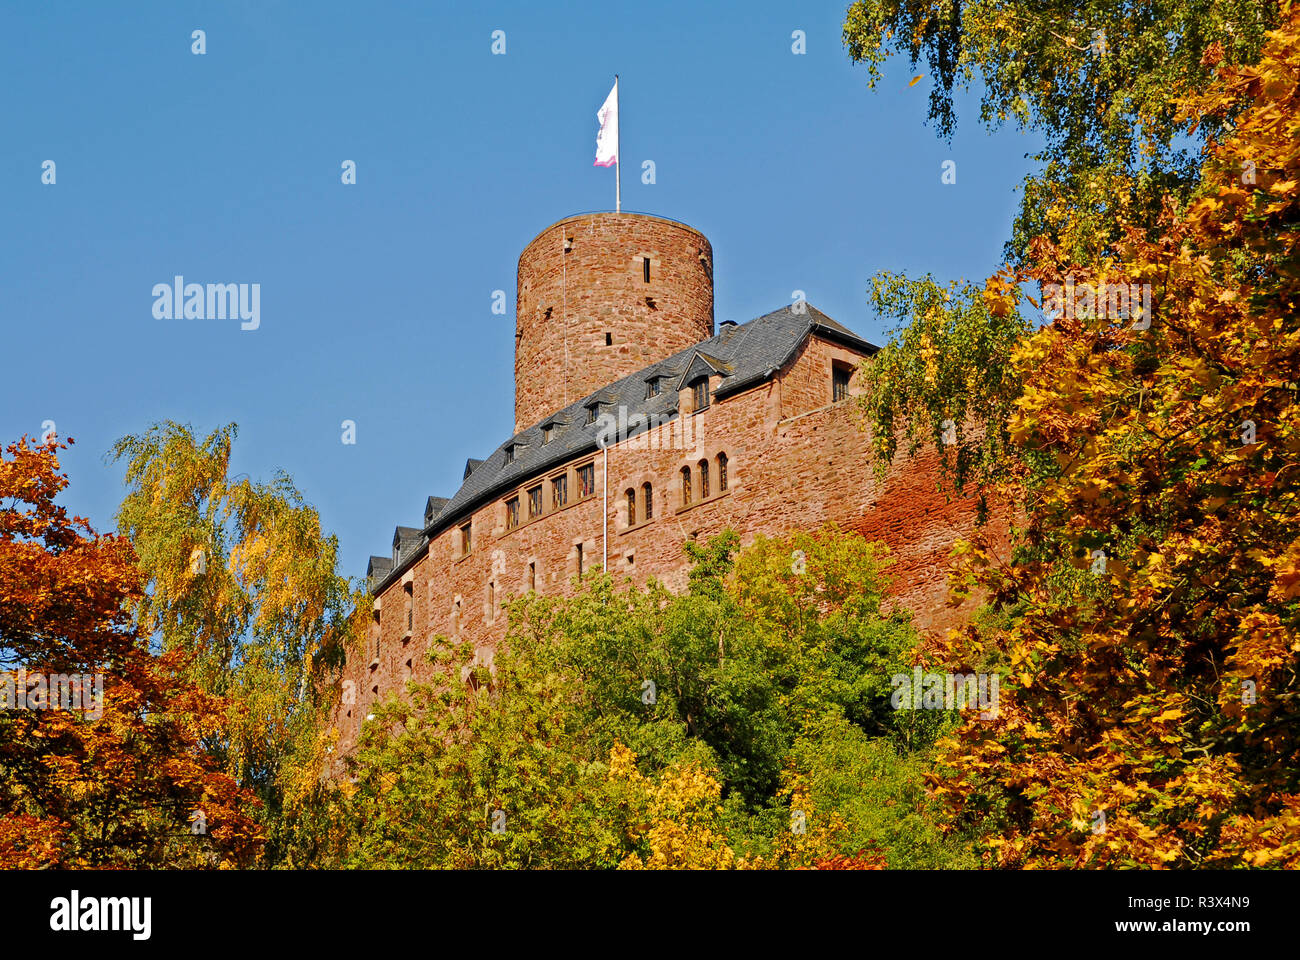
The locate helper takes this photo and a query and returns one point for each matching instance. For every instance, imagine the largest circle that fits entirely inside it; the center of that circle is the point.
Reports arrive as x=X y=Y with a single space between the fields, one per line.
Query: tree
x=1101 y=81
x=1153 y=715
x=242 y=581
x=636 y=728
x=100 y=758
x=1097 y=79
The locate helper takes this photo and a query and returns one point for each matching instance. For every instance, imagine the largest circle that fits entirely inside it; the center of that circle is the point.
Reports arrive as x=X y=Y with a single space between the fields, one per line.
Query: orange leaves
x=1168 y=478
x=109 y=778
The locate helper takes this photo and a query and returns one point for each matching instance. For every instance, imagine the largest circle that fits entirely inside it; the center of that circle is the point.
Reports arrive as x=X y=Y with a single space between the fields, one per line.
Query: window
x=840 y=376
x=532 y=576
x=722 y=472
x=704 y=479
x=609 y=339
x=648 y=502
x=652 y=388
x=578 y=546
x=686 y=486
x=455 y=617
x=512 y=513
x=466 y=543
x=593 y=411
x=586 y=480
x=510 y=453
x=559 y=491
x=409 y=590
x=548 y=432
x=535 y=502
x=645 y=269
x=492 y=600
x=700 y=393
x=631 y=507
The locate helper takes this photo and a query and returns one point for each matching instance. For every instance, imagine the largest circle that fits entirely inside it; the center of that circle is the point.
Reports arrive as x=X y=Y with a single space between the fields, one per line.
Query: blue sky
x=376 y=298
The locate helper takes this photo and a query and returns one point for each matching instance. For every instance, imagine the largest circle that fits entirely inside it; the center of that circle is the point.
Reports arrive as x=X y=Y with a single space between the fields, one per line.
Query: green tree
x=242 y=581
x=1099 y=80
x=632 y=727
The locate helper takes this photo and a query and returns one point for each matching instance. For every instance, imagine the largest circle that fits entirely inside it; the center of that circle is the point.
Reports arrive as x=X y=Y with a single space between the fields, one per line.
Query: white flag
x=607 y=139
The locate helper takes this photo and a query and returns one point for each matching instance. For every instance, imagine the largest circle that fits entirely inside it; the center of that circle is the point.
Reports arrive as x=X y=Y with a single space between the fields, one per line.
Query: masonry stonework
x=795 y=458
x=601 y=296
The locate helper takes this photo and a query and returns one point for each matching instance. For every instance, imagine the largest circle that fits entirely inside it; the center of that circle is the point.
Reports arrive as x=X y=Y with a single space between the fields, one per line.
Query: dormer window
x=652 y=388
x=510 y=453
x=700 y=393
x=548 y=432
x=593 y=412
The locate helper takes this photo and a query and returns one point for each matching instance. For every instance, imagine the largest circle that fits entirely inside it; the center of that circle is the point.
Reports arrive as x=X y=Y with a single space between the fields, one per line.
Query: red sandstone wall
x=568 y=301
x=795 y=462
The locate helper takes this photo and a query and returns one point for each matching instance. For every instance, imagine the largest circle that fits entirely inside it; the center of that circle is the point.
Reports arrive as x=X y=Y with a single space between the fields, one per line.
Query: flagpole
x=618 y=155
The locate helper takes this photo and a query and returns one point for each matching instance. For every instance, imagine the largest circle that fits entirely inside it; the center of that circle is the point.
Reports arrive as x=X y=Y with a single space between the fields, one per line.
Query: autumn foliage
x=1152 y=713
x=117 y=783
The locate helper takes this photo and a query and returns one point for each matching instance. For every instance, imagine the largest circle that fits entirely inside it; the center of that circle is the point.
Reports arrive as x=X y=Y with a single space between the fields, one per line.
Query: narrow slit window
x=722 y=472
x=840 y=376
x=609 y=339
x=648 y=500
x=645 y=269
x=704 y=479
x=686 y=486
x=631 y=508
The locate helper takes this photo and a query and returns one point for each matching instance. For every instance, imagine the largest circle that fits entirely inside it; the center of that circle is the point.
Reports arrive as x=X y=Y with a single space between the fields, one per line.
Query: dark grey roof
x=377 y=569
x=743 y=354
x=432 y=507
x=405 y=541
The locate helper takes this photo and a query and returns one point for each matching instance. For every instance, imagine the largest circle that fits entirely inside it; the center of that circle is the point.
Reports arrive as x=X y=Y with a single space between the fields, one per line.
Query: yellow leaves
x=680 y=814
x=915 y=80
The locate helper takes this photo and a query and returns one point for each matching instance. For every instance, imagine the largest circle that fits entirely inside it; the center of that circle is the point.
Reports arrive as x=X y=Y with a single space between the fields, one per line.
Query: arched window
x=704 y=479
x=722 y=472
x=631 y=507
x=686 y=486
x=648 y=498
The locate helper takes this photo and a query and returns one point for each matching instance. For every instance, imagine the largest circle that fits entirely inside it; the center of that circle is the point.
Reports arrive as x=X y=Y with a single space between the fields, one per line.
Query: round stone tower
x=600 y=296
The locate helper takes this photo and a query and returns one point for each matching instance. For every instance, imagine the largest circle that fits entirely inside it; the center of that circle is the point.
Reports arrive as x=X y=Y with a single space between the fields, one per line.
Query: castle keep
x=638 y=425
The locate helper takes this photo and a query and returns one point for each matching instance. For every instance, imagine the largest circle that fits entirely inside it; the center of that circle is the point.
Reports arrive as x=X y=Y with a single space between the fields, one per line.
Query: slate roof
x=743 y=354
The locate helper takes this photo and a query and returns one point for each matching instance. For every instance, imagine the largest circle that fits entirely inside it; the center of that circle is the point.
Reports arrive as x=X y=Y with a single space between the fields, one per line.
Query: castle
x=639 y=426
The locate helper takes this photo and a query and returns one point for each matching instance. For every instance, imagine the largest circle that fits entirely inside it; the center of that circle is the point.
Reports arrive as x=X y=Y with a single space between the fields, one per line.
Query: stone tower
x=600 y=296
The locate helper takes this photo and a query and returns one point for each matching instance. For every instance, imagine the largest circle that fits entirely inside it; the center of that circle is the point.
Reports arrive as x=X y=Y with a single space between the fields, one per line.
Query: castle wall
x=795 y=460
